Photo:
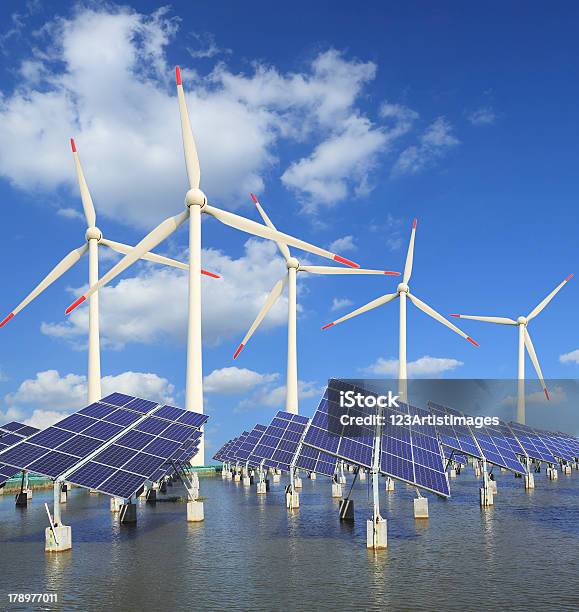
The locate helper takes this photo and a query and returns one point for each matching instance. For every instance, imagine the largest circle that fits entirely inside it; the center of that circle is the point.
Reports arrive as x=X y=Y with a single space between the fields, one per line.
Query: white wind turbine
x=289 y=279
x=403 y=292
x=196 y=204
x=94 y=238
x=524 y=341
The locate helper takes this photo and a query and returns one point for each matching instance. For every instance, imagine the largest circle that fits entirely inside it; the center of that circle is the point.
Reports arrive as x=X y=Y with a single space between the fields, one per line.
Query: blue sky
x=347 y=123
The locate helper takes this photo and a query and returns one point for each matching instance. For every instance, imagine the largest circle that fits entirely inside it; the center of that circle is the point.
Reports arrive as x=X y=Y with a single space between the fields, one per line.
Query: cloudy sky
x=347 y=125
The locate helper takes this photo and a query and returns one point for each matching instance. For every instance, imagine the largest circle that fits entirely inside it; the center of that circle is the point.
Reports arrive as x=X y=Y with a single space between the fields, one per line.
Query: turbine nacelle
x=93 y=233
x=292 y=262
x=403 y=288
x=195 y=197
x=522 y=320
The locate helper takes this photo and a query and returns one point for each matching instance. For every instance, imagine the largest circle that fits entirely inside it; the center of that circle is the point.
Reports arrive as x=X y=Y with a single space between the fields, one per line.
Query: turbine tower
x=94 y=238
x=524 y=342
x=289 y=279
x=403 y=292
x=196 y=204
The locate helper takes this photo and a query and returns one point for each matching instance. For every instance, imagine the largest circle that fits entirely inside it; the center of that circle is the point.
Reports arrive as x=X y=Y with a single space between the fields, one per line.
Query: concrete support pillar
x=297 y=482
x=116 y=503
x=486 y=497
x=493 y=487
x=552 y=474
x=261 y=488
x=195 y=511
x=128 y=514
x=63 y=496
x=529 y=481
x=237 y=477
x=292 y=500
x=452 y=473
x=276 y=477
x=389 y=484
x=346 y=511
x=362 y=474
x=246 y=481
x=421 y=508
x=151 y=496
x=336 y=490
x=377 y=533
x=312 y=475
x=59 y=540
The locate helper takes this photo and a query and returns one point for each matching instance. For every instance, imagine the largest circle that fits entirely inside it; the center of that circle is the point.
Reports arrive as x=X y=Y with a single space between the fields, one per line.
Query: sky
x=347 y=124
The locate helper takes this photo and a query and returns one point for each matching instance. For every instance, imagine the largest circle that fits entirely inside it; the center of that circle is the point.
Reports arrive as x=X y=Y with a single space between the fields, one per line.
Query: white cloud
x=103 y=76
x=70 y=213
x=435 y=141
x=49 y=397
x=425 y=367
x=341 y=245
x=137 y=309
x=232 y=380
x=274 y=397
x=557 y=395
x=339 y=303
x=482 y=116
x=205 y=47
x=572 y=357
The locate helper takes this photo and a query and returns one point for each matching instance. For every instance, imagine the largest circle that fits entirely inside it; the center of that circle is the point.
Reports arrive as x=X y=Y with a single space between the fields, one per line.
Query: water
x=252 y=554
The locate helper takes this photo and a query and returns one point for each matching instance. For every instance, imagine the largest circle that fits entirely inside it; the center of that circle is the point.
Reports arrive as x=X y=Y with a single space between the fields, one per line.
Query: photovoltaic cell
x=451 y=454
x=279 y=442
x=317 y=461
x=11 y=434
x=497 y=450
x=232 y=453
x=559 y=447
x=249 y=443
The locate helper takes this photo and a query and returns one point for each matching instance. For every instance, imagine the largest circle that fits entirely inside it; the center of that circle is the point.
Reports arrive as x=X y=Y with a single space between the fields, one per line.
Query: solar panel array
x=234 y=448
x=559 y=447
x=456 y=436
x=223 y=453
x=532 y=443
x=123 y=467
x=250 y=442
x=326 y=434
x=279 y=442
x=411 y=451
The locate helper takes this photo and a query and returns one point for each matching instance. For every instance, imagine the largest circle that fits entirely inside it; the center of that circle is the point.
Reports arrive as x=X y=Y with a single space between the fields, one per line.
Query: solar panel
x=279 y=442
x=141 y=454
x=456 y=436
x=235 y=447
x=497 y=449
x=317 y=461
x=227 y=449
x=246 y=447
x=531 y=442
x=410 y=451
x=572 y=443
x=12 y=434
x=451 y=454
x=326 y=434
x=219 y=455
x=558 y=446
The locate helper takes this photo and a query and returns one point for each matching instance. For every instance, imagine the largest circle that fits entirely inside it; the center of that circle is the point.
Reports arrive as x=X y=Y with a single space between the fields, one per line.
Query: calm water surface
x=252 y=554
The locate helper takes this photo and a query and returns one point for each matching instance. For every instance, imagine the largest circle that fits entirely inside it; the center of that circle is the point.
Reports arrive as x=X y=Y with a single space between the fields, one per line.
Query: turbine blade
x=501 y=320
x=533 y=356
x=438 y=317
x=271 y=300
x=251 y=227
x=384 y=299
x=409 y=256
x=189 y=148
x=119 y=247
x=280 y=245
x=336 y=270
x=150 y=241
x=65 y=264
x=88 y=206
x=541 y=305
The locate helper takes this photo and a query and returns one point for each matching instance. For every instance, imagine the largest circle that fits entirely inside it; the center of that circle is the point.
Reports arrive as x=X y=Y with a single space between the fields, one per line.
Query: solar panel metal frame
x=532 y=443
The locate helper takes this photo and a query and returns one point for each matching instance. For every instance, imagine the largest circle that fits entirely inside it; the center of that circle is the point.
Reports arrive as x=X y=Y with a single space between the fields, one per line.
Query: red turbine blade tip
x=472 y=341
x=211 y=274
x=239 y=349
x=345 y=261
x=73 y=145
x=390 y=273
x=569 y=277
x=178 y=75
x=7 y=319
x=455 y=315
x=547 y=394
x=253 y=198
x=414 y=223
x=76 y=303
x=328 y=325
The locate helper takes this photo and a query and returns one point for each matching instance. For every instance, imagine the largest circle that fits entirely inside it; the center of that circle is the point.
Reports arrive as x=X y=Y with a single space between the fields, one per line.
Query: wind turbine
x=196 y=204
x=289 y=279
x=94 y=238
x=403 y=292
x=524 y=342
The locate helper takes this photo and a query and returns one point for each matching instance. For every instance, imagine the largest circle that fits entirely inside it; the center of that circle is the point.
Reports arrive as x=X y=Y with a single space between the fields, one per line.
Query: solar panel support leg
x=529 y=481
x=362 y=474
x=312 y=475
x=389 y=484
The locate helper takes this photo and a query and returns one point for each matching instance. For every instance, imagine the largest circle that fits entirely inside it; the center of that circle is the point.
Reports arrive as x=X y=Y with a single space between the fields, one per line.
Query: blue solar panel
x=19 y=428
x=97 y=410
x=118 y=399
x=246 y=447
x=326 y=434
x=18 y=432
x=53 y=464
x=456 y=436
x=220 y=454
x=140 y=405
x=114 y=456
x=532 y=443
x=122 y=484
x=497 y=450
x=450 y=454
x=279 y=442
x=313 y=460
x=92 y=474
x=411 y=451
x=136 y=440
x=559 y=447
